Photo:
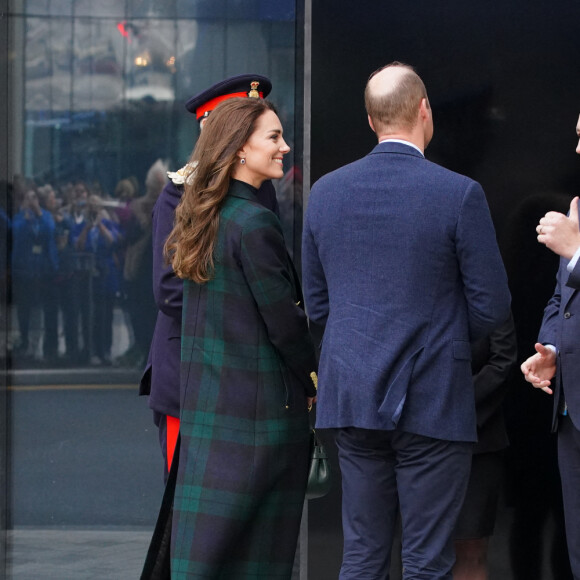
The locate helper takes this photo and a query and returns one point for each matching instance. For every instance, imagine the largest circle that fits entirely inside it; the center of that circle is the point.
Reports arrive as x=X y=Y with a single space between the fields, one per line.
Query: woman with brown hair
x=247 y=359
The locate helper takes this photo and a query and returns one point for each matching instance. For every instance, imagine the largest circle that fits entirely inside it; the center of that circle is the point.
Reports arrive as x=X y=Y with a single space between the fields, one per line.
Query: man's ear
x=371 y=123
x=424 y=108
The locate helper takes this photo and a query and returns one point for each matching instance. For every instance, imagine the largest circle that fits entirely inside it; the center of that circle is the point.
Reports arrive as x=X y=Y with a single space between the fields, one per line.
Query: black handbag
x=319 y=474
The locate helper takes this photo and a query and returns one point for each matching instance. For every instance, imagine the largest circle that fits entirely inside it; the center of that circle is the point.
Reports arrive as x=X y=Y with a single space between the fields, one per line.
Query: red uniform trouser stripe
x=172 y=433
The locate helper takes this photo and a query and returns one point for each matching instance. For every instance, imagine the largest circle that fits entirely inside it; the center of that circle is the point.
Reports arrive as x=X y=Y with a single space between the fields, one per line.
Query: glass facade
x=94 y=116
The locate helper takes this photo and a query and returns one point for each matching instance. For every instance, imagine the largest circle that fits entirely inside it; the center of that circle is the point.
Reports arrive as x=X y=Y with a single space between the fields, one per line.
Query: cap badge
x=254 y=90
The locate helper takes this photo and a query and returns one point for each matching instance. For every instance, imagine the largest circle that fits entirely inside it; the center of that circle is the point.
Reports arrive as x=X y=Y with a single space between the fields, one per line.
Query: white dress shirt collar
x=403 y=142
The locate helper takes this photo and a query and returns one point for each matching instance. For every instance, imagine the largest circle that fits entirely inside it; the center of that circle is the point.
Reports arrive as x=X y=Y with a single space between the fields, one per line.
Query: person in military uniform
x=161 y=379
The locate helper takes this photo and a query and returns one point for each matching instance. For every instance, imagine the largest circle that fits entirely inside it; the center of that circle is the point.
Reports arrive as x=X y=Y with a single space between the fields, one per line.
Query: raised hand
x=560 y=233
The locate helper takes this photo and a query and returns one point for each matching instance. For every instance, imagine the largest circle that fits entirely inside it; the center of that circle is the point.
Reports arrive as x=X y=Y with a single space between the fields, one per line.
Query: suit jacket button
x=567 y=315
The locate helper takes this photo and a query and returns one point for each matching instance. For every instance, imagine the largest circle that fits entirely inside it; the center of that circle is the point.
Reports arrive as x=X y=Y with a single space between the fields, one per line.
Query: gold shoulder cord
x=314 y=378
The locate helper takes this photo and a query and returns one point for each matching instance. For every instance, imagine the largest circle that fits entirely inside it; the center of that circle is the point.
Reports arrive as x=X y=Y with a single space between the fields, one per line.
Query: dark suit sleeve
x=267 y=269
x=549 y=331
x=574 y=278
x=167 y=287
x=314 y=281
x=491 y=379
x=482 y=269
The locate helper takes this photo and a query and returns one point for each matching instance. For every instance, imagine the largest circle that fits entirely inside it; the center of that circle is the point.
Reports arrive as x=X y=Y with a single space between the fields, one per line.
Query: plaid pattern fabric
x=246 y=360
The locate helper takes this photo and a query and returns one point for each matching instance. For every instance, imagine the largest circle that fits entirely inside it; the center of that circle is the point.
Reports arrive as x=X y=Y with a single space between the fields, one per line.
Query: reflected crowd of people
x=80 y=268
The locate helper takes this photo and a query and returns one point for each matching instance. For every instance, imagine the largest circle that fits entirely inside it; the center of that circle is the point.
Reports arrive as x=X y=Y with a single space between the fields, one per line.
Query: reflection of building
x=102 y=85
x=109 y=76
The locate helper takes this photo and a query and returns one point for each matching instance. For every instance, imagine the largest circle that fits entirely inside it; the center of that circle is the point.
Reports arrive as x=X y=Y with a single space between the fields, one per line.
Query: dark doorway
x=503 y=82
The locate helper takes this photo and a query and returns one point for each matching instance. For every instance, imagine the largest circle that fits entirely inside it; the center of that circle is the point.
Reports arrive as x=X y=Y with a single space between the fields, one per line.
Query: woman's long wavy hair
x=190 y=246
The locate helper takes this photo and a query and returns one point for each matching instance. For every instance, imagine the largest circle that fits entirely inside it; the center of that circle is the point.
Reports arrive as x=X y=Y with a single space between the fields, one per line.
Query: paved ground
x=76 y=554
x=35 y=554
x=114 y=554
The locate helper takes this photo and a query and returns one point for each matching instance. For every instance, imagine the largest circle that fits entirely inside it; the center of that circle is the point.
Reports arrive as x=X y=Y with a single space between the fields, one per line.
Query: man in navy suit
x=557 y=356
x=401 y=266
x=161 y=376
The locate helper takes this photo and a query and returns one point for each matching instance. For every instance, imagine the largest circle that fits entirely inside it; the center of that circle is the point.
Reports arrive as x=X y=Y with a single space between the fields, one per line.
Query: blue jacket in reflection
x=106 y=274
x=34 y=252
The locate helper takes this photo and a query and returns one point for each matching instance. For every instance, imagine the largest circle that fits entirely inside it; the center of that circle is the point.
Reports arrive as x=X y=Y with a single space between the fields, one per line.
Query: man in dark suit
x=161 y=376
x=557 y=357
x=401 y=265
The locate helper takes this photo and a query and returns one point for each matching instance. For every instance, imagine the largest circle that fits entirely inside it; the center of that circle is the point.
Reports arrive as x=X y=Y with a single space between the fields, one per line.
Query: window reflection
x=103 y=90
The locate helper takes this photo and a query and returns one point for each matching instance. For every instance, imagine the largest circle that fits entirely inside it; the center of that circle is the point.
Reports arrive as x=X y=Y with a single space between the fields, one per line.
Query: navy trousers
x=383 y=471
x=569 y=464
x=161 y=422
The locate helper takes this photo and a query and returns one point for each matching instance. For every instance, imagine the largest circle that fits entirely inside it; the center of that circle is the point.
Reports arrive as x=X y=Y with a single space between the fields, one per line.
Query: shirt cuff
x=572 y=262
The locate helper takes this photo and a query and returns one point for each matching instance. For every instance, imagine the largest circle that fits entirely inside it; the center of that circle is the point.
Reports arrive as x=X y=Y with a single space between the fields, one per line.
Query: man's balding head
x=393 y=96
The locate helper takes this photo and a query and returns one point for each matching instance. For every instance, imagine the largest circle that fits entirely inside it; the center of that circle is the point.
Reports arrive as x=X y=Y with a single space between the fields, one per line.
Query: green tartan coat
x=246 y=359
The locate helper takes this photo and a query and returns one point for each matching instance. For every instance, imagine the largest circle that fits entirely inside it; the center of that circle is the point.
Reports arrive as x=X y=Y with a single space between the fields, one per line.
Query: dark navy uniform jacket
x=161 y=376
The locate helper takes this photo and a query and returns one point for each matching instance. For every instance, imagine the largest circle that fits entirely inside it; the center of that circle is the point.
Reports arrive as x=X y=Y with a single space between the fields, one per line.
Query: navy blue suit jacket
x=561 y=327
x=400 y=262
